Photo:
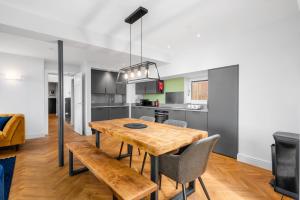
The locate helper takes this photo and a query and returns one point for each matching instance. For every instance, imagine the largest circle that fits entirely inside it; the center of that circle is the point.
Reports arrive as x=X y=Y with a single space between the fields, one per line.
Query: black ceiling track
x=136 y=15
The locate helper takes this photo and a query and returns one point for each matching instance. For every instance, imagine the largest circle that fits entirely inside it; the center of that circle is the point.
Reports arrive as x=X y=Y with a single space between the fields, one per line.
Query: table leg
x=190 y=190
x=154 y=175
x=97 y=139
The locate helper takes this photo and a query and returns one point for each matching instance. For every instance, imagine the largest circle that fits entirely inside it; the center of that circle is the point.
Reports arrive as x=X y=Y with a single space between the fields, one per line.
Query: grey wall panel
x=223 y=87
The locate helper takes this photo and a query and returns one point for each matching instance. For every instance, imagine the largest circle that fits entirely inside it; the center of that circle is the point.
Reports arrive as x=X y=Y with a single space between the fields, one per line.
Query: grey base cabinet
x=177 y=114
x=99 y=114
x=107 y=113
x=197 y=120
x=119 y=112
x=137 y=112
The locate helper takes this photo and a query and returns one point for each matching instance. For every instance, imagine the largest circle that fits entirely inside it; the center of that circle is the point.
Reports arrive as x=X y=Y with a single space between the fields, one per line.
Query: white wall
x=24 y=96
x=269 y=87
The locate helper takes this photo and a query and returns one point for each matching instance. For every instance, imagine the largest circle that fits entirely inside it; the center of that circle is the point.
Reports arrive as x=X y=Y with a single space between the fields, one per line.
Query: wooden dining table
x=156 y=139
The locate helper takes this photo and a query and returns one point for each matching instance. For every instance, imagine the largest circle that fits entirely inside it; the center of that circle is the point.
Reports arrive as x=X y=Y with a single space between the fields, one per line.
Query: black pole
x=60 y=104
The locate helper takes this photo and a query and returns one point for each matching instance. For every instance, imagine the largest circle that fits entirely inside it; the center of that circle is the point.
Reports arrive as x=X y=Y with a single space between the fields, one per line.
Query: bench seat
x=125 y=183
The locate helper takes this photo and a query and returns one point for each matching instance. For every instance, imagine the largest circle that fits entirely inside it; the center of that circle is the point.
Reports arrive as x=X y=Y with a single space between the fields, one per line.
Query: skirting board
x=254 y=161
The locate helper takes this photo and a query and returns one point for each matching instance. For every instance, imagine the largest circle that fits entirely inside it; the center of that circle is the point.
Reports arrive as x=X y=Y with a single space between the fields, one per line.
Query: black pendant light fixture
x=144 y=70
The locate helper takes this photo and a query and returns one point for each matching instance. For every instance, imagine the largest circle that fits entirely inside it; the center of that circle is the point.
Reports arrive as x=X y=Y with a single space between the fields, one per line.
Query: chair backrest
x=147 y=118
x=175 y=122
x=193 y=160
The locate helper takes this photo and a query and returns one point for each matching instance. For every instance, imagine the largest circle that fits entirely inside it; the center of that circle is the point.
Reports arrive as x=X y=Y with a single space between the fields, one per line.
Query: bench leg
x=73 y=172
x=97 y=139
x=154 y=175
x=115 y=198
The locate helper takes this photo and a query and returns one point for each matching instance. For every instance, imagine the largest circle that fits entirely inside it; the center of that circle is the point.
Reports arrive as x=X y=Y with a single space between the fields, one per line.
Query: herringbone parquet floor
x=37 y=175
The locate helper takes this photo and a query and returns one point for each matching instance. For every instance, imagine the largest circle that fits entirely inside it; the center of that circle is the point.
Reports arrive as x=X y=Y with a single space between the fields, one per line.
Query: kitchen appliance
x=174 y=97
x=161 y=116
x=146 y=102
x=285 y=164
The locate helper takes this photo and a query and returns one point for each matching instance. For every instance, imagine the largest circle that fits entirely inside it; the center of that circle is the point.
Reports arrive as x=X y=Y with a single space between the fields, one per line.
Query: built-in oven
x=161 y=116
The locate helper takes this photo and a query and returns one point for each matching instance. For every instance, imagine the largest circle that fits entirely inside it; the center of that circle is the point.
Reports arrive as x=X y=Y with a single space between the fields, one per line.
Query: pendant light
x=134 y=73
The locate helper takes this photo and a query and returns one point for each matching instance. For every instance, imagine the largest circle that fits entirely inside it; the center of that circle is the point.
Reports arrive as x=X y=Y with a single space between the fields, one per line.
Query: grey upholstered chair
x=176 y=123
x=189 y=163
x=173 y=122
x=145 y=118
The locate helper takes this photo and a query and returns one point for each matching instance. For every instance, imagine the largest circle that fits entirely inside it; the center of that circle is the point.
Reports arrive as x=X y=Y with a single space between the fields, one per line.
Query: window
x=199 y=90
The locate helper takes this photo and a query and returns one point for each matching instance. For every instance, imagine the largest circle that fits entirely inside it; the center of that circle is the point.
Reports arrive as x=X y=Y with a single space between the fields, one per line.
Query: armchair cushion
x=3 y=122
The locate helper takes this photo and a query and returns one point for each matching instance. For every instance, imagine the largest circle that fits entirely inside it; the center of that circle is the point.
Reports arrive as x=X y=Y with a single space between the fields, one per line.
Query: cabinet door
x=134 y=112
x=99 y=114
x=98 y=83
x=197 y=120
x=177 y=114
x=223 y=93
x=140 y=88
x=147 y=112
x=151 y=87
x=119 y=112
x=110 y=82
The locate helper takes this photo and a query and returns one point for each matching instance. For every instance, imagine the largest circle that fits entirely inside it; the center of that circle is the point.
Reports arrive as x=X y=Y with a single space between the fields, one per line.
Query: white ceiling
x=169 y=23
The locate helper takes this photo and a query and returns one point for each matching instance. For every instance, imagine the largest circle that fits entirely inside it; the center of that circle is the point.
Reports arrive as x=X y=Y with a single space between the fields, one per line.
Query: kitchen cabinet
x=98 y=82
x=177 y=114
x=119 y=112
x=137 y=112
x=104 y=82
x=223 y=108
x=106 y=113
x=149 y=87
x=197 y=120
x=100 y=113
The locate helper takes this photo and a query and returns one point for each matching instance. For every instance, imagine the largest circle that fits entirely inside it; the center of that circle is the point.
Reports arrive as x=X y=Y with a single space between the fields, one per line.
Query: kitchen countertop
x=173 y=108
x=108 y=106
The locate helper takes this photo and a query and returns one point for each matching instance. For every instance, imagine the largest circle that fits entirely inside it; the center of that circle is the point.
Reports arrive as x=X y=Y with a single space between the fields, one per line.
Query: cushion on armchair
x=3 y=122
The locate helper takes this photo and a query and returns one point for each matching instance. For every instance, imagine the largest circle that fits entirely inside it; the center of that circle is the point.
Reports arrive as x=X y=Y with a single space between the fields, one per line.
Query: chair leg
x=130 y=160
x=176 y=185
x=121 y=151
x=144 y=160
x=160 y=177
x=204 y=188
x=183 y=192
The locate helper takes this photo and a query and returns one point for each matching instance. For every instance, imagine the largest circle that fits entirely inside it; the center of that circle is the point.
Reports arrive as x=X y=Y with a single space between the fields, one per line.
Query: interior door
x=78 y=105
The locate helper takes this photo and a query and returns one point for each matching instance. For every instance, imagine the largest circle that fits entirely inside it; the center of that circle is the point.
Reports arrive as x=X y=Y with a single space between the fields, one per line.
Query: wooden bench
x=124 y=182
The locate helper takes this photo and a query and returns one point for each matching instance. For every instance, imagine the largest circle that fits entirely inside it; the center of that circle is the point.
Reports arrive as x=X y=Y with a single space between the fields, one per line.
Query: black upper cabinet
x=104 y=82
x=147 y=88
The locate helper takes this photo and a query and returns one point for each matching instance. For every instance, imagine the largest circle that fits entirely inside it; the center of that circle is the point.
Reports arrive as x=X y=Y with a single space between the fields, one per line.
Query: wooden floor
x=37 y=175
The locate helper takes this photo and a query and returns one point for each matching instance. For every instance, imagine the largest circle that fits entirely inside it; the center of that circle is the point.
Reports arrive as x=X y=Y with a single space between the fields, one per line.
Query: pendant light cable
x=141 y=39
x=130 y=46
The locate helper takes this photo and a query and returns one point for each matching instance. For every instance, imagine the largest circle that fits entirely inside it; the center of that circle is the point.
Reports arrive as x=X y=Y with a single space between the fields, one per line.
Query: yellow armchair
x=14 y=131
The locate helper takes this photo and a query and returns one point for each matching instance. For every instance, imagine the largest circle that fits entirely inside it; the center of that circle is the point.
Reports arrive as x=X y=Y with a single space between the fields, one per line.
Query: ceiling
x=170 y=25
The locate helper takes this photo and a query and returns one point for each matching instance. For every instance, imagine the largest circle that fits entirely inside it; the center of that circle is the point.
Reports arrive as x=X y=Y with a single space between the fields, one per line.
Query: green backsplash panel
x=171 y=85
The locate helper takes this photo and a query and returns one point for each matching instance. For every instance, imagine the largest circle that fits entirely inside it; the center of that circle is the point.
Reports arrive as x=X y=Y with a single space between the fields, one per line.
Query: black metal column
x=154 y=175
x=60 y=104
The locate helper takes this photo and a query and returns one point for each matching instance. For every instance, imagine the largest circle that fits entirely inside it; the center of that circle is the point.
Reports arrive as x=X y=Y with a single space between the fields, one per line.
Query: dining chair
x=173 y=122
x=145 y=118
x=188 y=164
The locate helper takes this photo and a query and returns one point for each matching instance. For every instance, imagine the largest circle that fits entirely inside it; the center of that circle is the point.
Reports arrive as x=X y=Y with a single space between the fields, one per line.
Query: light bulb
x=132 y=74
x=126 y=76
x=139 y=73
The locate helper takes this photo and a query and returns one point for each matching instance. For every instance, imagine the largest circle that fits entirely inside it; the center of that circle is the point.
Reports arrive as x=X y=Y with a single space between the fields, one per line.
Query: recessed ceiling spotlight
x=169 y=47
x=198 y=35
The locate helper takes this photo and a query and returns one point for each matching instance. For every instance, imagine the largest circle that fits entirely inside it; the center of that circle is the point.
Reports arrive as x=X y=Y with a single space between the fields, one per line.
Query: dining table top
x=156 y=138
